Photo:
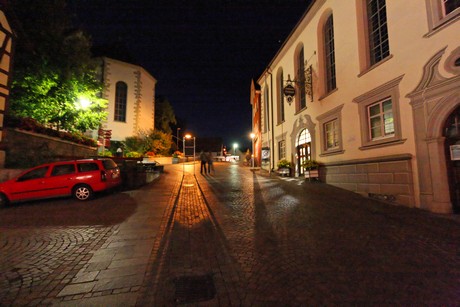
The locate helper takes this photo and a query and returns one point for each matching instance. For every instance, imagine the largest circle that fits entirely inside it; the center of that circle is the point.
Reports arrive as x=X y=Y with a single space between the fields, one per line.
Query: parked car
x=79 y=178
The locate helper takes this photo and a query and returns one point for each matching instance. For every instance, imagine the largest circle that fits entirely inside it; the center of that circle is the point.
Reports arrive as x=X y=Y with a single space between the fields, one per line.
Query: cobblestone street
x=231 y=238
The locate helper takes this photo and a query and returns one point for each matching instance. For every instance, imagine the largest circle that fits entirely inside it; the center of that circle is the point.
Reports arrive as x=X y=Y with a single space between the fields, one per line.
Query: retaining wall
x=25 y=149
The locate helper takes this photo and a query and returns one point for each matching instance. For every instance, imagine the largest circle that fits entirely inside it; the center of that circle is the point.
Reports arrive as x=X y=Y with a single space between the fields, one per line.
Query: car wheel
x=4 y=202
x=82 y=192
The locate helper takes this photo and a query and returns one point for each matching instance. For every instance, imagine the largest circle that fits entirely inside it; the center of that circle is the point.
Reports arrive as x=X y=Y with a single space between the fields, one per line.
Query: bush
x=133 y=154
x=310 y=164
x=283 y=163
x=105 y=153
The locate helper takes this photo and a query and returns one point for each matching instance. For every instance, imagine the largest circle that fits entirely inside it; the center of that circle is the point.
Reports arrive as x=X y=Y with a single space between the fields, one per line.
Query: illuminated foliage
x=53 y=69
x=149 y=141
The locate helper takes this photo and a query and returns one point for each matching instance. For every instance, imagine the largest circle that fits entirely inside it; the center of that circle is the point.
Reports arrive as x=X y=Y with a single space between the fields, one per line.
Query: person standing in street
x=203 y=160
x=209 y=161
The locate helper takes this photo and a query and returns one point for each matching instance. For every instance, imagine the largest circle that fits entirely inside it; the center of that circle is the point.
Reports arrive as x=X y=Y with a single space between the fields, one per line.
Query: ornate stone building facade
x=376 y=101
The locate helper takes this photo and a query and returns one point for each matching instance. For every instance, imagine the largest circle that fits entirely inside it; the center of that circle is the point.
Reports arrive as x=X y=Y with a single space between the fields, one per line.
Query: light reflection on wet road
x=308 y=242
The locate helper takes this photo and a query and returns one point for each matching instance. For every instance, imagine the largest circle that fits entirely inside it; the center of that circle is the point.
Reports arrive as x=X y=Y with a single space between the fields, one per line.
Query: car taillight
x=103 y=176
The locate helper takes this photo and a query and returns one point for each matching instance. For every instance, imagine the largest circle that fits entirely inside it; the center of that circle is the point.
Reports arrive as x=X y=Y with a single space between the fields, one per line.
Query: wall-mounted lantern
x=306 y=80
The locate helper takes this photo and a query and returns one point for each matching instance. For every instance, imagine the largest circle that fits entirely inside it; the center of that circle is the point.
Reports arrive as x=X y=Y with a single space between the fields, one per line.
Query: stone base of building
x=385 y=178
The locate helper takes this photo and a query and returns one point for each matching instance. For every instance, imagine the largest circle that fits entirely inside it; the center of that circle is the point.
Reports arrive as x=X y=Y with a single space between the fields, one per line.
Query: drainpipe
x=272 y=154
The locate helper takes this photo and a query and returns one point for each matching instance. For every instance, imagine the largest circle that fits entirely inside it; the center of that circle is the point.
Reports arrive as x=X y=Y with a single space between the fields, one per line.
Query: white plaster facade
x=140 y=98
x=419 y=77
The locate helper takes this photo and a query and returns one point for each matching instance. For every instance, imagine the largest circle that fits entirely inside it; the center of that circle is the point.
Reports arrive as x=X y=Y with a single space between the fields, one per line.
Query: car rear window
x=87 y=167
x=63 y=169
x=109 y=164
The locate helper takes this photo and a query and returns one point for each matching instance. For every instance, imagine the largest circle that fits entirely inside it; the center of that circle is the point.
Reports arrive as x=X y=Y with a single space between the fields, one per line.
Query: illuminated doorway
x=452 y=135
x=303 y=149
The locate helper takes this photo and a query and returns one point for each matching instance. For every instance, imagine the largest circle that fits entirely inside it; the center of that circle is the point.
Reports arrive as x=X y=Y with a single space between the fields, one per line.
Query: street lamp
x=252 y=155
x=188 y=137
x=84 y=102
x=177 y=138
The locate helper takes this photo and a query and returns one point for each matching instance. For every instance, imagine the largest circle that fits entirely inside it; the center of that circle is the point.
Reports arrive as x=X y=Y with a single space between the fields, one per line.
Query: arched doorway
x=303 y=149
x=435 y=101
x=452 y=145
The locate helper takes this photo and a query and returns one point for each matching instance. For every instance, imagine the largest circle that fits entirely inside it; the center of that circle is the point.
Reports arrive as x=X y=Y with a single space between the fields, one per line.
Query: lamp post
x=177 y=138
x=252 y=155
x=188 y=137
x=235 y=146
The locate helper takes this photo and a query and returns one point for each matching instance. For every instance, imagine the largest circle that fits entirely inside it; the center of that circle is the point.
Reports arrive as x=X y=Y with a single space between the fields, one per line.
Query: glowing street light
x=84 y=102
x=235 y=146
x=188 y=137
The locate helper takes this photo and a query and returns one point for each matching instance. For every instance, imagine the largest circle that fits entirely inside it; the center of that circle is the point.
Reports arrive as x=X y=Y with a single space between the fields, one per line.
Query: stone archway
x=433 y=101
x=302 y=123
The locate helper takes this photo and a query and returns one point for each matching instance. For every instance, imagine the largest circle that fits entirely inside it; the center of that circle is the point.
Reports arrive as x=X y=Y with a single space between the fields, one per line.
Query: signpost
x=289 y=92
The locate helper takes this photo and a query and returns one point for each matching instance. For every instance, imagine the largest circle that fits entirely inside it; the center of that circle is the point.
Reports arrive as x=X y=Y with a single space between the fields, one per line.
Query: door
x=303 y=154
x=61 y=179
x=30 y=185
x=303 y=148
x=452 y=145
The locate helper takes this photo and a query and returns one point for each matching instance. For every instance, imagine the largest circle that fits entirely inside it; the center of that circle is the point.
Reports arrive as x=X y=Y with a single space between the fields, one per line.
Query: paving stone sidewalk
x=114 y=275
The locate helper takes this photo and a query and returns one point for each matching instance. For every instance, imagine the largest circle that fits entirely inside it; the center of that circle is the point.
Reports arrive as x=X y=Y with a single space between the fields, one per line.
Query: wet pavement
x=235 y=237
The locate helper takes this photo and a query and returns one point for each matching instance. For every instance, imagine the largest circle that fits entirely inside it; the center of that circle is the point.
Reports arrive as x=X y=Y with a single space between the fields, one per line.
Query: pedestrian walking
x=209 y=161
x=203 y=160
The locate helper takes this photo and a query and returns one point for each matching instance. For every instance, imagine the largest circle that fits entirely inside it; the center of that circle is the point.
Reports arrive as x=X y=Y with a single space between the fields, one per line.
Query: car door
x=30 y=185
x=60 y=180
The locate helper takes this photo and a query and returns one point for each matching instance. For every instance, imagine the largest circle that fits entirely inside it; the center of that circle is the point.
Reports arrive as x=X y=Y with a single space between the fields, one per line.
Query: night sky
x=203 y=53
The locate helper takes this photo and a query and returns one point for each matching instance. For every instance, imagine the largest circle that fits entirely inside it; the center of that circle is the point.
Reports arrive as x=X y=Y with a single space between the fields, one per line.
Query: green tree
x=164 y=115
x=155 y=141
x=53 y=69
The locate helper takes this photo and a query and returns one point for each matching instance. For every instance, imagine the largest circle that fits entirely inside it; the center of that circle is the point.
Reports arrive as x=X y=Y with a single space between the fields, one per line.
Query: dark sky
x=203 y=53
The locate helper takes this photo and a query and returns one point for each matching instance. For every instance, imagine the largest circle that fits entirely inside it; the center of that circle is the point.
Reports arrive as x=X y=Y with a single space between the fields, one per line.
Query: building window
x=449 y=6
x=121 y=94
x=442 y=13
x=301 y=93
x=379 y=115
x=329 y=54
x=282 y=149
x=331 y=130
x=330 y=124
x=280 y=93
x=379 y=47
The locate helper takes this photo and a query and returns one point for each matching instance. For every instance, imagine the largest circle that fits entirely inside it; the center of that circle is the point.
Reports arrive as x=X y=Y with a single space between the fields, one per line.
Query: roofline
x=104 y=58
x=294 y=29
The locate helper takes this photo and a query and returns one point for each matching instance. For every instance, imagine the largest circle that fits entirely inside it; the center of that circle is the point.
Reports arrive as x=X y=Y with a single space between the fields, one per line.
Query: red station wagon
x=79 y=178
